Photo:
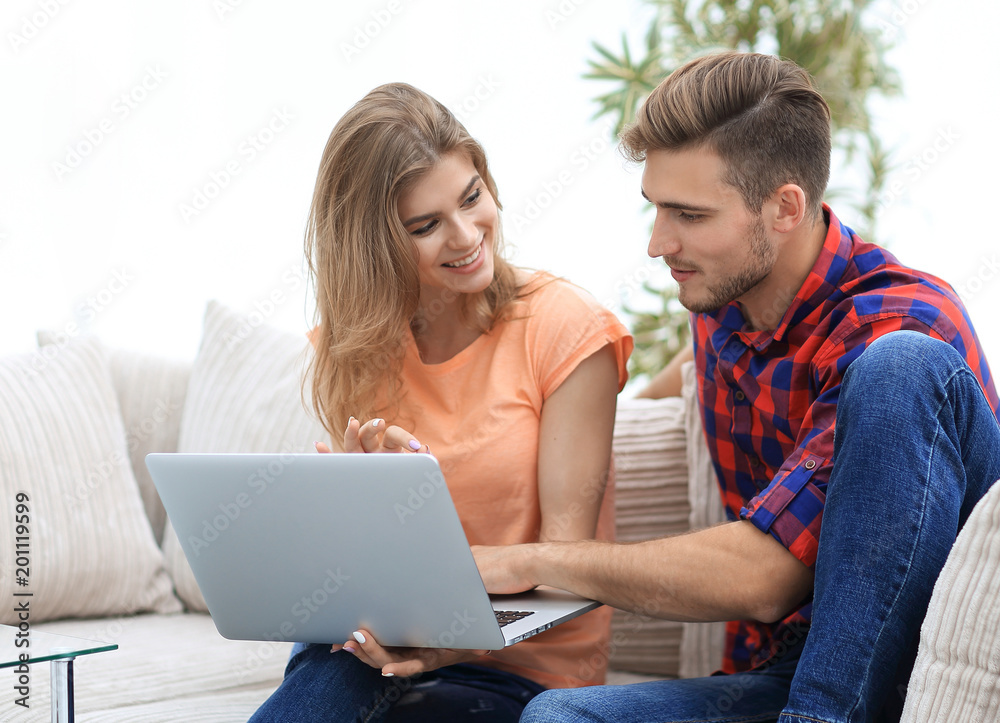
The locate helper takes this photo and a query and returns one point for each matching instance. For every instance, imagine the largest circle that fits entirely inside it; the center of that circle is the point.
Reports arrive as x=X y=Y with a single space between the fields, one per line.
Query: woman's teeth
x=467 y=260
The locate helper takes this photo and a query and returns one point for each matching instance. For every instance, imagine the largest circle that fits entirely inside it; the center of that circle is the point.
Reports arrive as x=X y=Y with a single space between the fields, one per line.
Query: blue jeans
x=916 y=446
x=324 y=686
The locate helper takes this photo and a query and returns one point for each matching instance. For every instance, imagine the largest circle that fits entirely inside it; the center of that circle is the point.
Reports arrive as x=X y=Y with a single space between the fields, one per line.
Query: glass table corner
x=25 y=646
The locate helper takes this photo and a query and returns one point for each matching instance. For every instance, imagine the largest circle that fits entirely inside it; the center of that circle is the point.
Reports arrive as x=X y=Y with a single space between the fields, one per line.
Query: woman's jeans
x=916 y=446
x=324 y=686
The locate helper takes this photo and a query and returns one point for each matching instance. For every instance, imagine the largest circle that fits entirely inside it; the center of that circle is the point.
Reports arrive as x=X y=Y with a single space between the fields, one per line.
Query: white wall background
x=157 y=155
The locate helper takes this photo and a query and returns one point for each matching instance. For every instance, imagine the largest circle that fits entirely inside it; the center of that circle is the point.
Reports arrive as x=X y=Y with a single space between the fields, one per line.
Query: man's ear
x=786 y=208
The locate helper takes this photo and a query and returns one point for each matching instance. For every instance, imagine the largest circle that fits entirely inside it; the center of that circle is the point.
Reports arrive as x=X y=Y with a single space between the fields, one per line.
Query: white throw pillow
x=150 y=391
x=244 y=396
x=956 y=677
x=87 y=545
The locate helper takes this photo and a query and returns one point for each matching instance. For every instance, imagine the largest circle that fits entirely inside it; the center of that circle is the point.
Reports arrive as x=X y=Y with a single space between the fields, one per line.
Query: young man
x=800 y=328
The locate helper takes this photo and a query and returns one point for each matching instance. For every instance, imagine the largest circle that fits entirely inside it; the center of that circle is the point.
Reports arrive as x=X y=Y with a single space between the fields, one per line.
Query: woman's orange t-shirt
x=480 y=413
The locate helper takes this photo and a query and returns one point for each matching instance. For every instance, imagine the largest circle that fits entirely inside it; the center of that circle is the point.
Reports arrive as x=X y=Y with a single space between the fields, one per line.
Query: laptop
x=311 y=547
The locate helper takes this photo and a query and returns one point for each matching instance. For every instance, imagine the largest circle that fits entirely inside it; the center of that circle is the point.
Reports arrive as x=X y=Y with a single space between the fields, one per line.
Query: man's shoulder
x=878 y=286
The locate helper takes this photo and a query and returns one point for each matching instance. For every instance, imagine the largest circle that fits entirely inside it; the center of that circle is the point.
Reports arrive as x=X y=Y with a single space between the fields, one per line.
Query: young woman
x=508 y=377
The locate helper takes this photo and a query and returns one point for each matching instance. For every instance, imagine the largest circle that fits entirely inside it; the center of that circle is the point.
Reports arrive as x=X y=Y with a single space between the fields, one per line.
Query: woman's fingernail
x=359 y=637
x=316 y=445
x=414 y=445
x=388 y=675
x=351 y=419
x=376 y=422
x=350 y=650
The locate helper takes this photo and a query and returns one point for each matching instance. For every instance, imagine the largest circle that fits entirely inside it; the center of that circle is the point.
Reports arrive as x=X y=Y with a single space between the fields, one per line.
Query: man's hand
x=404 y=661
x=504 y=569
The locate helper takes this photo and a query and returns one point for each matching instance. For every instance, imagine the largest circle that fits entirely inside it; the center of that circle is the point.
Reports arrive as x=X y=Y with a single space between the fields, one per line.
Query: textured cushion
x=702 y=644
x=664 y=485
x=244 y=396
x=651 y=500
x=90 y=546
x=956 y=677
x=150 y=391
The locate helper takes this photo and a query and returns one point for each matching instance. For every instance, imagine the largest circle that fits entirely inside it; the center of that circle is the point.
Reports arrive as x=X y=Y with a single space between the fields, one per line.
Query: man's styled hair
x=763 y=117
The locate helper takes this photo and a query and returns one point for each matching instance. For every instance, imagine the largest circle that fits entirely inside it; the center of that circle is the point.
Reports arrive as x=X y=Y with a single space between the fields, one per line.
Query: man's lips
x=680 y=275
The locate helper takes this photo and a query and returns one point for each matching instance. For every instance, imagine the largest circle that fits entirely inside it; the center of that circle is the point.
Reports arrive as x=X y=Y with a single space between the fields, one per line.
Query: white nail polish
x=388 y=675
x=360 y=638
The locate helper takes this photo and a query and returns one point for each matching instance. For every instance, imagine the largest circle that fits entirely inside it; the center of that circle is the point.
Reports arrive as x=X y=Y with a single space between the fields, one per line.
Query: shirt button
x=740 y=396
x=811 y=464
x=754 y=460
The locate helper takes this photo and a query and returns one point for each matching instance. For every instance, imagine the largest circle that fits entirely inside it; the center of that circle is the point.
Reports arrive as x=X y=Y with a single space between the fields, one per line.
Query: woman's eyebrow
x=461 y=197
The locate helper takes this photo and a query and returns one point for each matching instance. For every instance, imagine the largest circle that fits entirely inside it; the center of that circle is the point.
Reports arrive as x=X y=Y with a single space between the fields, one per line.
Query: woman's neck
x=439 y=329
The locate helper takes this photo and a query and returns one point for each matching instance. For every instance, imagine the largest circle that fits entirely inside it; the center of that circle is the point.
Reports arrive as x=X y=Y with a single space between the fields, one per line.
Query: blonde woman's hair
x=762 y=115
x=362 y=260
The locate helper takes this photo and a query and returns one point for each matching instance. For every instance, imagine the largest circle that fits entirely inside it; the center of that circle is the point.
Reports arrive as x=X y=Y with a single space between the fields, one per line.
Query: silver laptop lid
x=312 y=547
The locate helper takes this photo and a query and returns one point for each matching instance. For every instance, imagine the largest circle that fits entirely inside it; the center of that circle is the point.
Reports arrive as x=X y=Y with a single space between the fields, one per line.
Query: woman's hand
x=403 y=661
x=375 y=436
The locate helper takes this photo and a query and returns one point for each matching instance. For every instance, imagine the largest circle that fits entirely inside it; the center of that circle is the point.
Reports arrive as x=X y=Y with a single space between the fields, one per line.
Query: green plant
x=838 y=41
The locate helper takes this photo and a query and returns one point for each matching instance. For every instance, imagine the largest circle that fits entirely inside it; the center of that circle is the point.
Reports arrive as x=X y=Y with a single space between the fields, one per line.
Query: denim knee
x=551 y=706
x=901 y=356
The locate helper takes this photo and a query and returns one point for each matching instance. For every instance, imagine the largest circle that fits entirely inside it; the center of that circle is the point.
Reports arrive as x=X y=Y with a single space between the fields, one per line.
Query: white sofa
x=77 y=419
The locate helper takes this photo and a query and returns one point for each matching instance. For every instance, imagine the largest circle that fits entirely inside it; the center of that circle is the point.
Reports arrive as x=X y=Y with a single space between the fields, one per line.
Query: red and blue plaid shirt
x=769 y=398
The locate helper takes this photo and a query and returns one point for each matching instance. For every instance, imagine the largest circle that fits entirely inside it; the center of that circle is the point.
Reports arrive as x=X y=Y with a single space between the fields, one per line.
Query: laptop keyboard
x=505 y=617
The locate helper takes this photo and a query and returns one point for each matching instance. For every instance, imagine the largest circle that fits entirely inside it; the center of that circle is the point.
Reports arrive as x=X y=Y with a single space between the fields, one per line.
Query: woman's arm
x=574 y=448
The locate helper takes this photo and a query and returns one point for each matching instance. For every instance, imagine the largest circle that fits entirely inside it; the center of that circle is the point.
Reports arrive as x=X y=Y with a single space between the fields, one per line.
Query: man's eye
x=692 y=217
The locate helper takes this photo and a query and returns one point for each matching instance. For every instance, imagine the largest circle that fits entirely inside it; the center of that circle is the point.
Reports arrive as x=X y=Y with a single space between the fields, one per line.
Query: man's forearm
x=729 y=572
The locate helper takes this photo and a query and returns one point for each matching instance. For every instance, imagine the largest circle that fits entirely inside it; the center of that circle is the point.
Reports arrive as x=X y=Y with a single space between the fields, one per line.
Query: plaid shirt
x=769 y=398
